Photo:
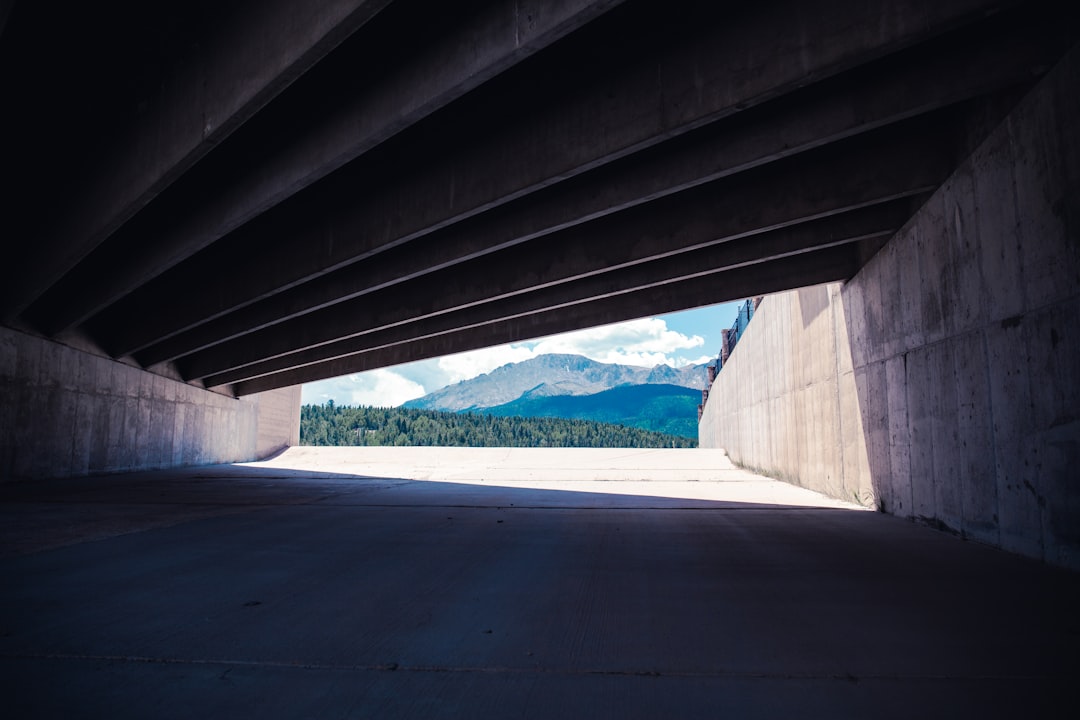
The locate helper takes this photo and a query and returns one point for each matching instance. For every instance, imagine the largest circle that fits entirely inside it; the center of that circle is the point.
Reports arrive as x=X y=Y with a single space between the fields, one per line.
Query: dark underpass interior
x=243 y=591
x=210 y=204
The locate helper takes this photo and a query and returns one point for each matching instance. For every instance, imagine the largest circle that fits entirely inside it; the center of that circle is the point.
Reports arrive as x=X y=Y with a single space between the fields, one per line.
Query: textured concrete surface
x=260 y=590
x=496 y=173
x=220 y=83
x=65 y=412
x=786 y=402
x=941 y=382
x=495 y=38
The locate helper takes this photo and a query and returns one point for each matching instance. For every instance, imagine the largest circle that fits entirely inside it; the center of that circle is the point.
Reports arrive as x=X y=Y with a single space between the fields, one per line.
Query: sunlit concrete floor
x=430 y=583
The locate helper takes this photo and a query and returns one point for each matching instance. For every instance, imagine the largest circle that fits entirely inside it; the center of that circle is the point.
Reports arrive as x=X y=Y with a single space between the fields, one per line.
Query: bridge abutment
x=67 y=412
x=940 y=383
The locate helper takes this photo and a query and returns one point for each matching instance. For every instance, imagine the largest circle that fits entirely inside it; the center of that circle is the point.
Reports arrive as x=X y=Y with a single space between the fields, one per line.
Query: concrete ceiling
x=251 y=195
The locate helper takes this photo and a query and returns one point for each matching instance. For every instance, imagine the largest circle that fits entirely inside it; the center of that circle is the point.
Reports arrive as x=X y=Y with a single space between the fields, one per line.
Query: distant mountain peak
x=551 y=375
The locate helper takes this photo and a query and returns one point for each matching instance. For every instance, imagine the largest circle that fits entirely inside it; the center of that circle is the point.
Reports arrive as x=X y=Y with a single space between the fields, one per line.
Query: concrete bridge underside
x=243 y=197
x=250 y=196
x=214 y=202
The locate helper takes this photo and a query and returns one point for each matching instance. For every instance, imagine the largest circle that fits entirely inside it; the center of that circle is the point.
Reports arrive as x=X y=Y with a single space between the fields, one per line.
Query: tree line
x=332 y=424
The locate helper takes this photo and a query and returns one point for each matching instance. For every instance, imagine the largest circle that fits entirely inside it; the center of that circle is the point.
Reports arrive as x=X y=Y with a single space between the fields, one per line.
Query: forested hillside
x=331 y=424
x=663 y=408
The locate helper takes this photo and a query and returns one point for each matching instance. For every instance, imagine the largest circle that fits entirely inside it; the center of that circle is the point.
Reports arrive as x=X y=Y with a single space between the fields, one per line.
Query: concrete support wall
x=785 y=402
x=278 y=419
x=943 y=381
x=64 y=412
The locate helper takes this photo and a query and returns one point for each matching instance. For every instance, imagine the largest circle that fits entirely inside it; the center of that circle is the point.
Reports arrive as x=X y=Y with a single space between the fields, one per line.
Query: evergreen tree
x=332 y=424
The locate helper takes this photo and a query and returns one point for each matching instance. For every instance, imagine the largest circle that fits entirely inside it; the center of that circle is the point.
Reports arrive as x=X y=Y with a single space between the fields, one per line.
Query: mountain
x=660 y=398
x=663 y=408
x=552 y=376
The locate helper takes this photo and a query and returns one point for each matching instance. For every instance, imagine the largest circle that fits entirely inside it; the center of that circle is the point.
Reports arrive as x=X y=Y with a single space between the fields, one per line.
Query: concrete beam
x=856 y=227
x=494 y=39
x=946 y=74
x=715 y=70
x=827 y=265
x=864 y=171
x=248 y=57
x=5 y=10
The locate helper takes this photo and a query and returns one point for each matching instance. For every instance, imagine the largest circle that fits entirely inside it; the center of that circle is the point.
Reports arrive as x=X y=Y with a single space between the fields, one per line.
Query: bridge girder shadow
x=284 y=590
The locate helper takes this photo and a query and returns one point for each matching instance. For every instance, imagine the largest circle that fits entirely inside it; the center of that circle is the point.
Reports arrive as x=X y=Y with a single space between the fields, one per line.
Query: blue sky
x=676 y=339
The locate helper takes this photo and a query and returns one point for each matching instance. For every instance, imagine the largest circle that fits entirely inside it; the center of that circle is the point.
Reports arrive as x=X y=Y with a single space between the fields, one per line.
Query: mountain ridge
x=670 y=409
x=549 y=376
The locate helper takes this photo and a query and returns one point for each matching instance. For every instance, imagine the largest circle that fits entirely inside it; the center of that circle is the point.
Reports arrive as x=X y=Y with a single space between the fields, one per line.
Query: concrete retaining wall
x=943 y=381
x=785 y=402
x=65 y=412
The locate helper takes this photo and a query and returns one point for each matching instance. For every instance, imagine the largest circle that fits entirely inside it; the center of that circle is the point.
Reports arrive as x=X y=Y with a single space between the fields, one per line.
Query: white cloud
x=643 y=359
x=695 y=361
x=384 y=388
x=467 y=365
x=646 y=342
x=638 y=342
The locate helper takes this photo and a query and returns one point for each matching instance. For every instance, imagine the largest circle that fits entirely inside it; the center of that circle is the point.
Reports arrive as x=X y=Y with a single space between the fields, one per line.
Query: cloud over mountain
x=552 y=375
x=646 y=342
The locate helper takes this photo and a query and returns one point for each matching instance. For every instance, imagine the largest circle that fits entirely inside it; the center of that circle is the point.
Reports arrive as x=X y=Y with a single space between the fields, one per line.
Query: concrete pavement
x=401 y=583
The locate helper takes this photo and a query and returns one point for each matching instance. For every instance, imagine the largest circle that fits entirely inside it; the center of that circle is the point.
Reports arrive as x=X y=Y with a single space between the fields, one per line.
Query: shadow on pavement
x=241 y=591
